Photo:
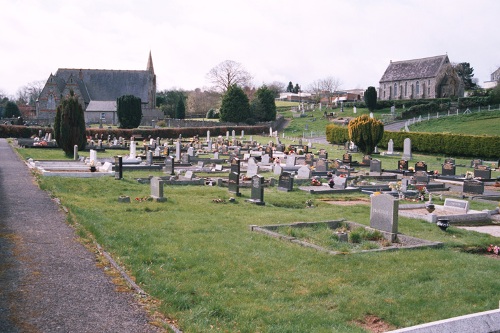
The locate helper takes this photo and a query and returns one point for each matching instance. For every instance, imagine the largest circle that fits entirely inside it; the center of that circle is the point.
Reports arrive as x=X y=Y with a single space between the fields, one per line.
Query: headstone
x=321 y=165
x=252 y=169
x=257 y=193
x=342 y=172
x=190 y=151
x=157 y=189
x=473 y=186
x=449 y=160
x=169 y=166
x=340 y=183
x=149 y=158
x=483 y=172
x=347 y=158
x=290 y=160
x=235 y=165
x=277 y=169
x=407 y=149
x=323 y=154
x=448 y=169
x=421 y=177
x=421 y=166
x=189 y=175
x=366 y=160
x=285 y=182
x=375 y=165
x=384 y=214
x=208 y=136
x=178 y=150
x=475 y=163
x=390 y=147
x=132 y=152
x=93 y=156
x=304 y=172
x=402 y=165
x=233 y=135
x=265 y=160
x=456 y=204
x=118 y=167
x=309 y=159
x=234 y=183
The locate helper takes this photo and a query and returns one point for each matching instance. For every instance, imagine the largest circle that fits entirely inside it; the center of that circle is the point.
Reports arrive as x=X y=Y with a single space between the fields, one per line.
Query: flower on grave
x=309 y=203
x=396 y=186
x=315 y=182
x=469 y=175
x=493 y=249
x=411 y=169
x=436 y=172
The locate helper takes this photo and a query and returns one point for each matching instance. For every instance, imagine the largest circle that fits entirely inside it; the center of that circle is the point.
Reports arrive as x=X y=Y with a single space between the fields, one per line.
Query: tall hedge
x=129 y=110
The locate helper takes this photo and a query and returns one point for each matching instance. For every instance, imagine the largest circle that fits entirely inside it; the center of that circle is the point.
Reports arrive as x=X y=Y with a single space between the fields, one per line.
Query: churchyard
x=235 y=233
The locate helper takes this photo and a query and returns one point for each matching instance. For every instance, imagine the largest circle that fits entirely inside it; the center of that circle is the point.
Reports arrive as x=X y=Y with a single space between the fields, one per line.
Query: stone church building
x=432 y=77
x=97 y=91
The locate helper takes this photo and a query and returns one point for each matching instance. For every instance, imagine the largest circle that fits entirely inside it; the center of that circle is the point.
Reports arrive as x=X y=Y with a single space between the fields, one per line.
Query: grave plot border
x=415 y=243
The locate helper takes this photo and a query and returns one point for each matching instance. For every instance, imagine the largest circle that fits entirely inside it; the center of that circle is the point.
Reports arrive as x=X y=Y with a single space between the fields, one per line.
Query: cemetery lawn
x=209 y=272
x=479 y=123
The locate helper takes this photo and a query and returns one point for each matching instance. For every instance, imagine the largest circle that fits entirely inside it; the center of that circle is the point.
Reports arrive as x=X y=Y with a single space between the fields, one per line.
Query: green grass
x=479 y=123
x=210 y=272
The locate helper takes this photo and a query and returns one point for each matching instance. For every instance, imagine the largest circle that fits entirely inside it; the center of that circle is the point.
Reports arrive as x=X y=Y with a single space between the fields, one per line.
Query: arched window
x=406 y=89
x=417 y=88
x=395 y=90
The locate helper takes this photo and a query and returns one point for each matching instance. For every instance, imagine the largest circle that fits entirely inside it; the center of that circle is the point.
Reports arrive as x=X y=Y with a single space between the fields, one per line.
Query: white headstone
x=93 y=156
x=407 y=149
x=390 y=147
x=304 y=172
x=178 y=150
x=132 y=149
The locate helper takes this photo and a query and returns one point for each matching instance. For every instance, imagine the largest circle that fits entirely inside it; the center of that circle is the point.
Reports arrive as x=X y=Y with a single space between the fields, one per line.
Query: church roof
x=106 y=85
x=101 y=106
x=414 y=69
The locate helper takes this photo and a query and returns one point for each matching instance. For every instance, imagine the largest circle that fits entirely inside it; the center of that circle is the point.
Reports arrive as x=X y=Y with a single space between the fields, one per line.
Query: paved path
x=48 y=281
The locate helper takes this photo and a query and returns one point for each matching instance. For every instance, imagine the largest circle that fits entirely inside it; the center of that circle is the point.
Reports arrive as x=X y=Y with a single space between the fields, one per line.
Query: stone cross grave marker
x=384 y=214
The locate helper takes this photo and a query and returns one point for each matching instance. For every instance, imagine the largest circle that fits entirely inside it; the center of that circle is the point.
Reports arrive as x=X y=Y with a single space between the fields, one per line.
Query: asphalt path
x=49 y=282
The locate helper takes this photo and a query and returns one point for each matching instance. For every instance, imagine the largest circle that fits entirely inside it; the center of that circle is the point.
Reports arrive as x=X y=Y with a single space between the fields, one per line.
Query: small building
x=432 y=77
x=97 y=90
x=495 y=78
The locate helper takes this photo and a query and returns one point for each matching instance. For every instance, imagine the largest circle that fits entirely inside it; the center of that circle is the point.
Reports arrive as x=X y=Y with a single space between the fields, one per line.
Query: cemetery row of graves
x=211 y=203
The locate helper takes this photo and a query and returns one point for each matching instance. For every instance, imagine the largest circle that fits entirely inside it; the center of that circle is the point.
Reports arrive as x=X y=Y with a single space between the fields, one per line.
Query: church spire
x=150 y=63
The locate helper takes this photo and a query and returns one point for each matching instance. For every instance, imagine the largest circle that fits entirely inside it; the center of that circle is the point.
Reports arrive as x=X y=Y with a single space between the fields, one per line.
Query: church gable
x=414 y=69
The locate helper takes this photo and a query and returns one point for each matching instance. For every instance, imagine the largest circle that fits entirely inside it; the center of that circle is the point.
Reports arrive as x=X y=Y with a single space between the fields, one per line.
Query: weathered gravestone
x=475 y=163
x=252 y=167
x=169 y=165
x=390 y=147
x=257 y=193
x=375 y=165
x=285 y=182
x=448 y=169
x=407 y=149
x=189 y=175
x=473 y=186
x=421 y=177
x=157 y=189
x=340 y=183
x=321 y=165
x=460 y=205
x=304 y=172
x=290 y=160
x=277 y=169
x=384 y=214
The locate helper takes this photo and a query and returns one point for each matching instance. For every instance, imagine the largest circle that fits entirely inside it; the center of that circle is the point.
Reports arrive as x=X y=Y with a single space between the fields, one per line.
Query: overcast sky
x=274 y=40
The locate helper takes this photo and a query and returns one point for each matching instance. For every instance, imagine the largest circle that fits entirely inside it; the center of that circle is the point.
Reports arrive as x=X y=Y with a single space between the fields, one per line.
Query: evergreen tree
x=71 y=125
x=180 y=110
x=263 y=107
x=296 y=89
x=366 y=133
x=466 y=74
x=371 y=98
x=11 y=110
x=129 y=111
x=235 y=107
x=290 y=87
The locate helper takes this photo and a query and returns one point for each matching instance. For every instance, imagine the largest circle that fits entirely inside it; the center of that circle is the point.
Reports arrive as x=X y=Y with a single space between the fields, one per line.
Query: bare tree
x=228 y=73
x=200 y=102
x=29 y=93
x=330 y=84
x=276 y=87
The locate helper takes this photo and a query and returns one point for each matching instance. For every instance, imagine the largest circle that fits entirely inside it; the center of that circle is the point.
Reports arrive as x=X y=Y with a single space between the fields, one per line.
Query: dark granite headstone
x=473 y=186
x=421 y=166
x=421 y=177
x=482 y=171
x=375 y=165
x=118 y=167
x=403 y=165
x=475 y=163
x=321 y=165
x=257 y=193
x=347 y=158
x=285 y=182
x=448 y=169
x=234 y=183
x=366 y=160
x=323 y=154
x=235 y=165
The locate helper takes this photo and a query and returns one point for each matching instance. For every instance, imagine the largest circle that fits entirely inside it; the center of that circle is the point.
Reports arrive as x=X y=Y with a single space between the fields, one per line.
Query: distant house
x=292 y=97
x=432 y=77
x=495 y=78
x=97 y=91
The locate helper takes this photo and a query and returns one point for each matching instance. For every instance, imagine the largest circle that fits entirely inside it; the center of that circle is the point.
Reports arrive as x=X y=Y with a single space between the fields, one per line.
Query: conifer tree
x=366 y=133
x=70 y=123
x=129 y=110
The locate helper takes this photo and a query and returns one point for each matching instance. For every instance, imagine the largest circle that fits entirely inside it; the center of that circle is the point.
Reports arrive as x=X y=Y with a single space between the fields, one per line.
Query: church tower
x=152 y=83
